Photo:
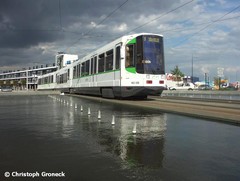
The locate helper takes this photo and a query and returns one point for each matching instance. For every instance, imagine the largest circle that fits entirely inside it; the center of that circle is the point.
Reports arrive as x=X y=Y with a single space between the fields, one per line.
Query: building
x=25 y=79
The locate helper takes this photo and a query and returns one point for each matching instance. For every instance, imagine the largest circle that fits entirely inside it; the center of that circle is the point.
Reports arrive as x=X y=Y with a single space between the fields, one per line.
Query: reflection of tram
x=131 y=66
x=146 y=147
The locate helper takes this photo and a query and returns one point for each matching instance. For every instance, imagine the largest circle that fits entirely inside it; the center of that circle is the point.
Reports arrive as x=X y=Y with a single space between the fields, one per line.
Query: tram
x=131 y=66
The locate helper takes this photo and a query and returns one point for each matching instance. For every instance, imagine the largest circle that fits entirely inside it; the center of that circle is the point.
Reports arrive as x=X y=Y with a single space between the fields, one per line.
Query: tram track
x=227 y=112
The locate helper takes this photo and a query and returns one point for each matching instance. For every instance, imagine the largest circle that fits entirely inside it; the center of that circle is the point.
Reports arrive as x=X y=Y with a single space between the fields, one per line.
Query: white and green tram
x=130 y=67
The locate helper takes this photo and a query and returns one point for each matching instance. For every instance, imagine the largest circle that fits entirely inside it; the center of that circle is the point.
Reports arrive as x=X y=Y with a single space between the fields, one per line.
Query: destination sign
x=152 y=39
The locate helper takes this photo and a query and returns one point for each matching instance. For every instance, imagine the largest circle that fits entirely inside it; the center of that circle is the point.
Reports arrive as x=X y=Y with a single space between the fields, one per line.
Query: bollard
x=113 y=120
x=99 y=115
x=134 y=129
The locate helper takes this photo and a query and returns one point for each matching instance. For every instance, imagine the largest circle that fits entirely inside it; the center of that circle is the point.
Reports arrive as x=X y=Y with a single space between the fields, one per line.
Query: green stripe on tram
x=131 y=69
x=133 y=41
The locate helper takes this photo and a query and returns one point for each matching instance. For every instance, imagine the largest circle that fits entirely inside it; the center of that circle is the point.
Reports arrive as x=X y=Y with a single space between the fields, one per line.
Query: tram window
x=92 y=66
x=83 y=68
x=109 y=60
x=59 y=79
x=78 y=70
x=139 y=57
x=117 y=63
x=87 y=67
x=65 y=77
x=95 y=65
x=74 y=72
x=129 y=56
x=101 y=63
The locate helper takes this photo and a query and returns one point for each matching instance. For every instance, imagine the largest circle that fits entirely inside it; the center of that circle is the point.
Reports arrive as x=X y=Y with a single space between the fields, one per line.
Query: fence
x=224 y=95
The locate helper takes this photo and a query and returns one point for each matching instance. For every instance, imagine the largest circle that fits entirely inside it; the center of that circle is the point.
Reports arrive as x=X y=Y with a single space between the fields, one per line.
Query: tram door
x=117 y=72
x=93 y=70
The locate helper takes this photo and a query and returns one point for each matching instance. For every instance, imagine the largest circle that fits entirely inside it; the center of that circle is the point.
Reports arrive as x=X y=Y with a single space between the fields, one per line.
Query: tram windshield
x=146 y=55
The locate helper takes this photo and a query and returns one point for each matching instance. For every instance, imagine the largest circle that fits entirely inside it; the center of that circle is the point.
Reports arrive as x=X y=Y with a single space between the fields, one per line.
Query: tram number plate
x=135 y=82
x=155 y=77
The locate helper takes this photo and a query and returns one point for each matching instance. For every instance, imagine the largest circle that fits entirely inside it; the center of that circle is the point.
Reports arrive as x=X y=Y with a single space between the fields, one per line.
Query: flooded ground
x=50 y=134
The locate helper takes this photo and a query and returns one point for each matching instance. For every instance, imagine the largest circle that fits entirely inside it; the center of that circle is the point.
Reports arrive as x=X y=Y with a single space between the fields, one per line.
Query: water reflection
x=145 y=148
x=86 y=148
x=142 y=149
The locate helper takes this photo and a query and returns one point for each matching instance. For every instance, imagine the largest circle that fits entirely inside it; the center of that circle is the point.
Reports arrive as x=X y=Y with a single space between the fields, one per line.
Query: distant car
x=183 y=86
x=205 y=87
x=230 y=88
x=6 y=89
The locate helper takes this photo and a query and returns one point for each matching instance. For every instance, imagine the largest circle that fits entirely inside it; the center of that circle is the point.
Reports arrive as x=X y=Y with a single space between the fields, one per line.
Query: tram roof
x=112 y=44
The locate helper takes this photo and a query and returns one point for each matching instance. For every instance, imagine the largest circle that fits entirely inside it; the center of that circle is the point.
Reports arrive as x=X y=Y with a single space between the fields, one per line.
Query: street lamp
x=192 y=67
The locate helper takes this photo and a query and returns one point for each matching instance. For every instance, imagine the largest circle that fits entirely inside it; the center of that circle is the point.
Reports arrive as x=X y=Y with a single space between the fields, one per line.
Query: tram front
x=144 y=66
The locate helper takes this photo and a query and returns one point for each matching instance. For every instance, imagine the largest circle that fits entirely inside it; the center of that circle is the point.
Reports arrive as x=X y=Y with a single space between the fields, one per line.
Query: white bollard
x=81 y=109
x=89 y=111
x=113 y=120
x=99 y=115
x=134 y=129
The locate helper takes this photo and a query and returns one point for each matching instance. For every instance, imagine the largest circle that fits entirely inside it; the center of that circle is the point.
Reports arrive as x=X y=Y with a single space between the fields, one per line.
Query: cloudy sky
x=32 y=32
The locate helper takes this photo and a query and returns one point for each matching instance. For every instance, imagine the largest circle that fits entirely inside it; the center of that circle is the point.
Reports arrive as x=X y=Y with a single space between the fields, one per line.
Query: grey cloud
x=30 y=30
x=28 y=23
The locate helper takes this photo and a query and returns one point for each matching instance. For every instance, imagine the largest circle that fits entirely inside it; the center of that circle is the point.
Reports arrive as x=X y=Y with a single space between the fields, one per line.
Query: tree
x=177 y=73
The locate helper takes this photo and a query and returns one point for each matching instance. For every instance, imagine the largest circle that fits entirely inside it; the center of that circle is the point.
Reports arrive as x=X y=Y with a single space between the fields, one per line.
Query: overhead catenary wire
x=208 y=25
x=164 y=14
x=199 y=24
x=91 y=30
x=61 y=29
x=110 y=14
x=94 y=36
